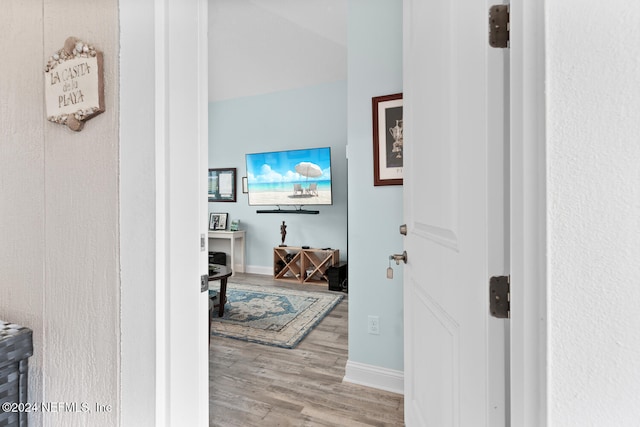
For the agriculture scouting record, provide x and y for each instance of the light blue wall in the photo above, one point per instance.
(313, 116)
(332, 114)
(374, 69)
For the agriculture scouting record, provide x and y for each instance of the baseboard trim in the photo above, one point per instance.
(258, 269)
(374, 376)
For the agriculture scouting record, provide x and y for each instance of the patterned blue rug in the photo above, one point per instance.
(272, 316)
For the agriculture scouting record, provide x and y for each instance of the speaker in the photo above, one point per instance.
(218, 258)
(337, 276)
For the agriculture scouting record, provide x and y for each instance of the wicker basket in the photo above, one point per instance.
(16, 345)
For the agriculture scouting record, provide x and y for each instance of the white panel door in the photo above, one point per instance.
(455, 195)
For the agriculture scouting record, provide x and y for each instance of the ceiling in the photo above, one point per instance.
(263, 46)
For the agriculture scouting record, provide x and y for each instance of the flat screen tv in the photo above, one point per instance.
(290, 178)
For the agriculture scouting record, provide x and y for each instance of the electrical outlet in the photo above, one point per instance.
(373, 325)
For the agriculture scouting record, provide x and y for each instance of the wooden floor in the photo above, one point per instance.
(259, 385)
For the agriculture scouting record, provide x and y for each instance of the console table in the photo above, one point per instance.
(303, 265)
(233, 237)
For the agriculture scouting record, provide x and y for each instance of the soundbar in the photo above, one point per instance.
(288, 211)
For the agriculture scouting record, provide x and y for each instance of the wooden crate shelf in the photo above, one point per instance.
(308, 265)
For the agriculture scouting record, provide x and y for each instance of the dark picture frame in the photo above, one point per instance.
(218, 221)
(221, 185)
(245, 185)
(388, 142)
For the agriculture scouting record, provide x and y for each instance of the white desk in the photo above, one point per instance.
(232, 236)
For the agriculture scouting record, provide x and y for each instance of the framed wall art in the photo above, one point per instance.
(218, 221)
(388, 150)
(222, 185)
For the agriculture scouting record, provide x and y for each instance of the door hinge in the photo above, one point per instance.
(500, 296)
(204, 283)
(499, 26)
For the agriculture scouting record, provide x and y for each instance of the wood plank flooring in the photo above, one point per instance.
(258, 385)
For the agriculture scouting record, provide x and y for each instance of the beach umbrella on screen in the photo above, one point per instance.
(308, 169)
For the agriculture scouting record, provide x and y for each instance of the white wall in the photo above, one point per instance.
(59, 258)
(261, 47)
(22, 221)
(593, 128)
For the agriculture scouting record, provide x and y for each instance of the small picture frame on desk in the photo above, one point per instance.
(218, 221)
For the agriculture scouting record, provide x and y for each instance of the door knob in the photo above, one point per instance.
(399, 257)
(403, 229)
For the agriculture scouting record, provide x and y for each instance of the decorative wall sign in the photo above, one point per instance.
(74, 86)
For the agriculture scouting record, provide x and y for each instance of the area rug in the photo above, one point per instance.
(272, 316)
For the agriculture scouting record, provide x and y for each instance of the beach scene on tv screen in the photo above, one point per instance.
(295, 177)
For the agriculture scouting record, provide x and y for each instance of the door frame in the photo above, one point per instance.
(528, 362)
(163, 206)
